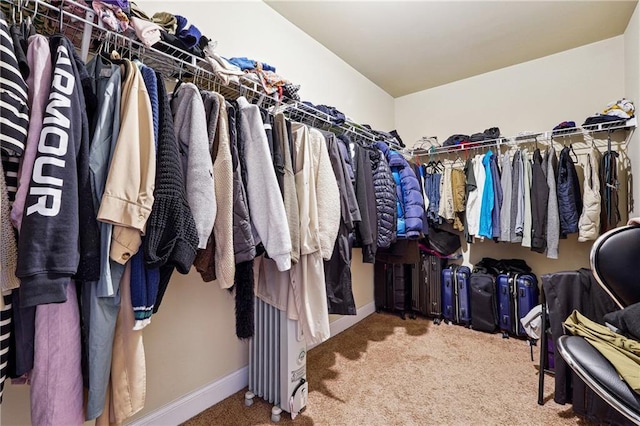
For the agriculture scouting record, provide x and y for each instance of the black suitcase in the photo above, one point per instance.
(484, 308)
(426, 294)
(392, 287)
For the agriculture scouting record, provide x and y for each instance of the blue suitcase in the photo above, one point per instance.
(517, 295)
(456, 301)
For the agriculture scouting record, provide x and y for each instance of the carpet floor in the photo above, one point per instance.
(389, 371)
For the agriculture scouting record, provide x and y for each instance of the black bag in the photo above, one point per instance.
(443, 242)
(488, 265)
(484, 310)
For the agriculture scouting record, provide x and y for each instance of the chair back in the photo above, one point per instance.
(615, 264)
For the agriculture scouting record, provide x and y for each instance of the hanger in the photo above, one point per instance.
(572, 154)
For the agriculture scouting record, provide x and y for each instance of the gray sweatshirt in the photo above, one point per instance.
(190, 125)
(266, 206)
(505, 211)
(553, 217)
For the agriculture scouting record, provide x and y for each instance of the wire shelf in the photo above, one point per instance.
(571, 135)
(79, 24)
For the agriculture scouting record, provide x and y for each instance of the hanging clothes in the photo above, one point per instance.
(101, 299)
(497, 199)
(144, 280)
(470, 190)
(128, 381)
(319, 204)
(39, 84)
(223, 183)
(527, 220)
(505, 210)
(458, 189)
(485, 228)
(553, 215)
(337, 270)
(169, 247)
(56, 380)
(409, 195)
(128, 198)
(432, 189)
(366, 229)
(475, 203)
(14, 110)
(445, 207)
(385, 189)
(263, 191)
(589, 222)
(539, 204)
(190, 126)
(289, 186)
(8, 280)
(517, 197)
(243, 243)
(50, 229)
(569, 198)
(610, 215)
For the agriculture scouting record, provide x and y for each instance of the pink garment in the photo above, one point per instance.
(39, 85)
(147, 32)
(56, 379)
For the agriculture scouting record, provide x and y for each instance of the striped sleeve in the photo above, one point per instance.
(14, 110)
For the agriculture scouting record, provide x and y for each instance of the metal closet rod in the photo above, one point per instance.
(191, 65)
(629, 124)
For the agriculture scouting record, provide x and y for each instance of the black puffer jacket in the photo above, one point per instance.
(385, 188)
(569, 197)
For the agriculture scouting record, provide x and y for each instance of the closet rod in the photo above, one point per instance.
(628, 125)
(88, 34)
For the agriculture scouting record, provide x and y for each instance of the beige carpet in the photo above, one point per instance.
(386, 371)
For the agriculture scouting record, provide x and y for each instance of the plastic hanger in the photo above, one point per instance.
(574, 157)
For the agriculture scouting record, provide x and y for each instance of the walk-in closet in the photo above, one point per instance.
(319, 212)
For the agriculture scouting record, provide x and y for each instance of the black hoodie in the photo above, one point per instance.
(59, 204)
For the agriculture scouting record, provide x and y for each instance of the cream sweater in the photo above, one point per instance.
(223, 226)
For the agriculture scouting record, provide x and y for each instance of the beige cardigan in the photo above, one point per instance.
(223, 182)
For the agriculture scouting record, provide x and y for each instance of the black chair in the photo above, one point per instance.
(615, 263)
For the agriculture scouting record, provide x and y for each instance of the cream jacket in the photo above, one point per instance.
(128, 193)
(589, 222)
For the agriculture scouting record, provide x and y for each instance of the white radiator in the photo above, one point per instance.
(277, 361)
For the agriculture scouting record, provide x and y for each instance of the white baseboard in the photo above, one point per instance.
(346, 321)
(193, 403)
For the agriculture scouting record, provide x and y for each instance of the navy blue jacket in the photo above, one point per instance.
(408, 194)
(569, 197)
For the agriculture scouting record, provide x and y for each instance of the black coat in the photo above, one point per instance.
(539, 203)
(564, 292)
(385, 189)
(569, 197)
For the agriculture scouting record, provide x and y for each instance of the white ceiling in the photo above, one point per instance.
(408, 46)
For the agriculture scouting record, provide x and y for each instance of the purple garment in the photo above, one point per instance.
(56, 381)
(39, 83)
(122, 4)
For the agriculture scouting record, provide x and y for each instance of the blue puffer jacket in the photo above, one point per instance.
(408, 194)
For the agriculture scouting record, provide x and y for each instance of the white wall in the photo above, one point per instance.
(191, 341)
(534, 96)
(632, 90)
